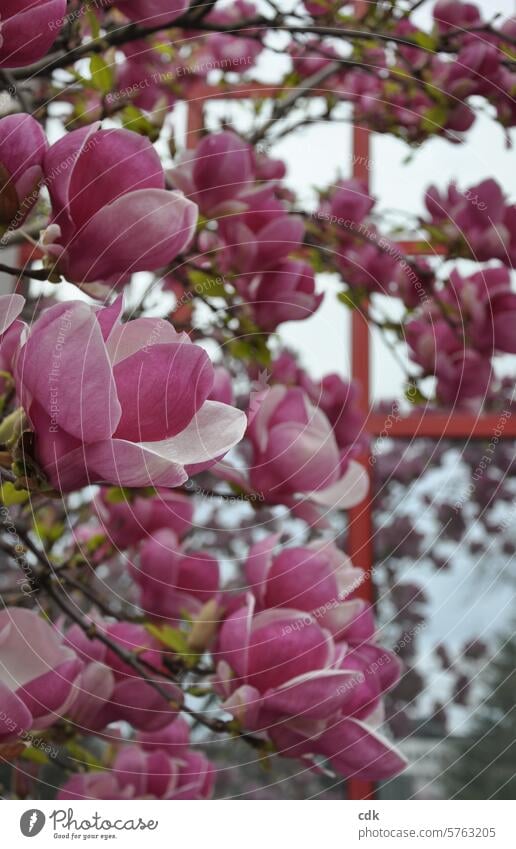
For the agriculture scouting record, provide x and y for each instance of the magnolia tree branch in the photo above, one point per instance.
(191, 22)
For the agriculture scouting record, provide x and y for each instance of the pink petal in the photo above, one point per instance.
(212, 432)
(316, 695)
(356, 750)
(122, 463)
(350, 490)
(160, 389)
(65, 368)
(141, 231)
(114, 163)
(10, 308)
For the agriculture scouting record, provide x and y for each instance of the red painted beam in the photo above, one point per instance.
(360, 529)
(446, 425)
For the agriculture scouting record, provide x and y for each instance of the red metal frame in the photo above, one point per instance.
(422, 423)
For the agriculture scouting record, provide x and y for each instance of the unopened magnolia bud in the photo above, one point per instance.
(204, 627)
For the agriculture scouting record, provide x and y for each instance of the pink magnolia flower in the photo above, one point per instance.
(152, 12)
(349, 203)
(370, 267)
(307, 59)
(283, 675)
(285, 293)
(295, 452)
(144, 82)
(485, 301)
(268, 169)
(121, 404)
(454, 14)
(260, 235)
(127, 520)
(222, 386)
(477, 222)
(339, 401)
(22, 148)
(315, 578)
(174, 582)
(140, 774)
(173, 738)
(109, 690)
(221, 49)
(216, 173)
(111, 213)
(462, 373)
(28, 29)
(37, 673)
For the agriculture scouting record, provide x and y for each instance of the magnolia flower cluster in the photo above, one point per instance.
(298, 661)
(255, 233)
(159, 765)
(454, 336)
(416, 91)
(455, 323)
(367, 261)
(111, 213)
(477, 223)
(297, 658)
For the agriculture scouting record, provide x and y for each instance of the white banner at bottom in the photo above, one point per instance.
(259, 825)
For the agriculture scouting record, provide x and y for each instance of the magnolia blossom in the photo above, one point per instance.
(365, 259)
(174, 582)
(260, 235)
(127, 520)
(317, 578)
(480, 311)
(295, 452)
(151, 13)
(37, 673)
(283, 675)
(285, 293)
(28, 28)
(222, 49)
(111, 213)
(140, 774)
(22, 148)
(109, 690)
(477, 222)
(216, 173)
(144, 80)
(122, 404)
(454, 14)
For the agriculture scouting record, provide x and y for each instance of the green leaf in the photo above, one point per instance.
(80, 753)
(101, 74)
(425, 40)
(35, 755)
(352, 298)
(134, 119)
(117, 495)
(172, 638)
(49, 533)
(207, 284)
(10, 495)
(414, 395)
(435, 118)
(93, 23)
